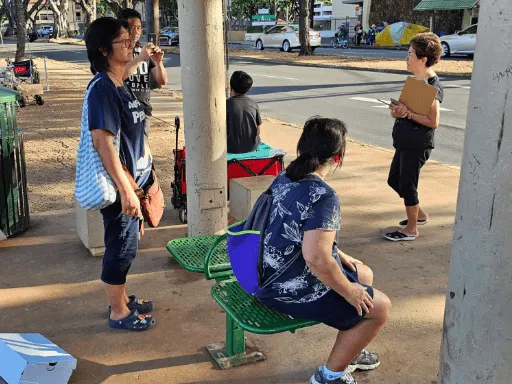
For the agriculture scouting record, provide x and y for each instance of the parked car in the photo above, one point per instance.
(286, 37)
(463, 42)
(170, 36)
(45, 30)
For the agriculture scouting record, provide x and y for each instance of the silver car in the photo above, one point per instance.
(286, 37)
(463, 42)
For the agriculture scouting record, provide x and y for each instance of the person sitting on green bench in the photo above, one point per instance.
(304, 274)
(242, 116)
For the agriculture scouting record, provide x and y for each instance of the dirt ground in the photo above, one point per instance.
(51, 134)
(444, 68)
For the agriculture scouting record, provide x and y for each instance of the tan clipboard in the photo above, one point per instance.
(418, 96)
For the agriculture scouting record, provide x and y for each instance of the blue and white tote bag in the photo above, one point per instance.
(94, 189)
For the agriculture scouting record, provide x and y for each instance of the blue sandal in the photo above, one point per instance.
(142, 306)
(133, 322)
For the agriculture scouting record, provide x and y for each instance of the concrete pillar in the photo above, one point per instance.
(477, 333)
(204, 105)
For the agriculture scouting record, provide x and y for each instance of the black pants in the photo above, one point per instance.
(405, 172)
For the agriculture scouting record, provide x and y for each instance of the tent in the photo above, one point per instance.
(399, 34)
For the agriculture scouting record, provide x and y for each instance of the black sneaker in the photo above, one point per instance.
(318, 378)
(398, 236)
(365, 361)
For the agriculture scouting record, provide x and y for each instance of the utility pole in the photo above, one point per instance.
(204, 103)
(477, 333)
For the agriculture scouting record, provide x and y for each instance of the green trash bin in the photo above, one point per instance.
(14, 212)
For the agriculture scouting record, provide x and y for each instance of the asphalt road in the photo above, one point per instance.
(293, 94)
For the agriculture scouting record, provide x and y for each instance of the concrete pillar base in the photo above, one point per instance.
(89, 226)
(244, 192)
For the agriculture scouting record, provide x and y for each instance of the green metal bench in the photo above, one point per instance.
(191, 252)
(244, 312)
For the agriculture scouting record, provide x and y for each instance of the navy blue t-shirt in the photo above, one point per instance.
(115, 109)
(307, 205)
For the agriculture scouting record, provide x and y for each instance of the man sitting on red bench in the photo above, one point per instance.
(243, 116)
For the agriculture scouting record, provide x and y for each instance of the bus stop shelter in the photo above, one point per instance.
(444, 5)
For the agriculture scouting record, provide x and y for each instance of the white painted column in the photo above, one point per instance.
(204, 104)
(477, 334)
(367, 4)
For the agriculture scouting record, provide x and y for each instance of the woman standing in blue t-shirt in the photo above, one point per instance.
(116, 120)
(304, 273)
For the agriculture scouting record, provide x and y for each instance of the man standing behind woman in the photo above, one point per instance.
(147, 59)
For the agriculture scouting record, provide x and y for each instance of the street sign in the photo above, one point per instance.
(359, 10)
(263, 11)
(264, 18)
(259, 23)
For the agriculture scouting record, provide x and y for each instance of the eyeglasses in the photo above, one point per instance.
(126, 42)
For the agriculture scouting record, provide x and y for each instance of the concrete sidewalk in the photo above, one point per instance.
(49, 283)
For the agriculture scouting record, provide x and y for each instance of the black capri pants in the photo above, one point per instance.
(405, 172)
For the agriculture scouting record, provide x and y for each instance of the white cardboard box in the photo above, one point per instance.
(32, 358)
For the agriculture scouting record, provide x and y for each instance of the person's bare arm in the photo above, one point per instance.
(159, 73)
(103, 142)
(431, 120)
(317, 250)
(144, 55)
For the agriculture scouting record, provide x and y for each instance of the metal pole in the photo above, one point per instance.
(204, 103)
(46, 76)
(477, 333)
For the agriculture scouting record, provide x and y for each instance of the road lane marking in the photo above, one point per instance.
(274, 77)
(369, 100)
(457, 86)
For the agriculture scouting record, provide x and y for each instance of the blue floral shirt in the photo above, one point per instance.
(307, 205)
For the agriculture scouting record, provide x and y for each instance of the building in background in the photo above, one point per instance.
(76, 17)
(329, 17)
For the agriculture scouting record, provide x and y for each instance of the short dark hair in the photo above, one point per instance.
(428, 45)
(99, 36)
(322, 139)
(241, 82)
(129, 13)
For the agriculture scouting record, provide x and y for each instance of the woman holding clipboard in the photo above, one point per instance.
(413, 136)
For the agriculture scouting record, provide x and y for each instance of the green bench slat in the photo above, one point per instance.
(252, 316)
(190, 253)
